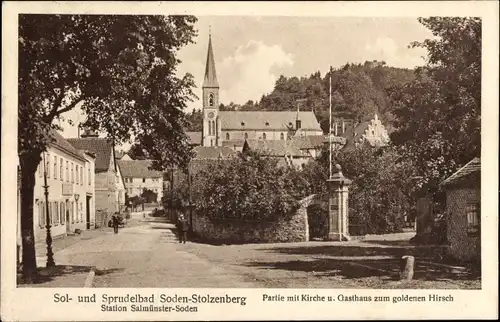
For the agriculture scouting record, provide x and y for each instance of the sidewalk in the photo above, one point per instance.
(64, 274)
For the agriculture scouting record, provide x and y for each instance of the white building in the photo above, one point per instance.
(138, 177)
(70, 180)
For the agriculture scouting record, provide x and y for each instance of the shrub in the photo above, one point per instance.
(249, 187)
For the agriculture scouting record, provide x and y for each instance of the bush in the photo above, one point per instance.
(249, 187)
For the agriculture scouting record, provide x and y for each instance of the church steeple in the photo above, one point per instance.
(210, 74)
(211, 121)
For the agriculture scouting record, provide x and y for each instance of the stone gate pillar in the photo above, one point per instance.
(337, 205)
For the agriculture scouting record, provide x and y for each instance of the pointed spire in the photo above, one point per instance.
(210, 74)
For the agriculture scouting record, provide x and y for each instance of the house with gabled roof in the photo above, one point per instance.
(139, 177)
(463, 211)
(71, 197)
(109, 185)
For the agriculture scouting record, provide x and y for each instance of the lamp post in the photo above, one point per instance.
(50, 254)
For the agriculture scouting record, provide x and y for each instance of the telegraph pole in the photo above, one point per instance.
(48, 239)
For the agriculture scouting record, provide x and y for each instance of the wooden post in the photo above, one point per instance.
(407, 268)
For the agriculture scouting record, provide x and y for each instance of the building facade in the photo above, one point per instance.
(138, 177)
(109, 186)
(463, 212)
(70, 181)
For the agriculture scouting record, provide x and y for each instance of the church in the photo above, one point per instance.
(232, 128)
(295, 137)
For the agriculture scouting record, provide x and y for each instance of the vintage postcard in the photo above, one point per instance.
(249, 161)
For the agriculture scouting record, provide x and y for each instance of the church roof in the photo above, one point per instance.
(267, 120)
(210, 73)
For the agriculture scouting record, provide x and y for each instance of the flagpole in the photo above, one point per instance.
(330, 127)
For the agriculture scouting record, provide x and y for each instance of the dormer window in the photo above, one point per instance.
(267, 123)
(290, 124)
(242, 123)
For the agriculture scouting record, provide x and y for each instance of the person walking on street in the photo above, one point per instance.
(116, 222)
(182, 228)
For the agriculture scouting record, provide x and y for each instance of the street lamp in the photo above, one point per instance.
(50, 254)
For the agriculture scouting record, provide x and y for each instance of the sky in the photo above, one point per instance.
(251, 52)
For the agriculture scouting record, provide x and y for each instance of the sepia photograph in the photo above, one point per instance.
(208, 151)
(183, 151)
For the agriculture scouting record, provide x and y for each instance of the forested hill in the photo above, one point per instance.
(358, 91)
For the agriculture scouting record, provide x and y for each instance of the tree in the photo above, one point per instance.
(250, 187)
(136, 152)
(381, 190)
(195, 120)
(119, 69)
(438, 115)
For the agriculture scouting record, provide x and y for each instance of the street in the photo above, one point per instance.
(149, 255)
(146, 256)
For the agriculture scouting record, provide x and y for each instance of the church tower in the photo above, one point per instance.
(210, 88)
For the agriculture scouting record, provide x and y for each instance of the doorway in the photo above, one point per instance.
(87, 213)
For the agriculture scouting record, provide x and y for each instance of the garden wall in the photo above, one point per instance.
(232, 231)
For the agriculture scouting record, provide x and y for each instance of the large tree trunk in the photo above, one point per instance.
(29, 163)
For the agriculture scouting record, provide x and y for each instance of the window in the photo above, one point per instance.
(76, 172)
(48, 166)
(209, 127)
(40, 169)
(282, 136)
(55, 167)
(246, 136)
(81, 176)
(263, 136)
(62, 217)
(61, 173)
(72, 212)
(211, 142)
(211, 99)
(473, 218)
(267, 123)
(72, 173)
(55, 217)
(41, 214)
(143, 180)
(67, 171)
(81, 211)
(88, 173)
(227, 136)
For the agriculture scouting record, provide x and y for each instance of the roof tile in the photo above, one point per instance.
(101, 147)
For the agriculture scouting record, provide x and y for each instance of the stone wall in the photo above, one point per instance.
(294, 229)
(462, 245)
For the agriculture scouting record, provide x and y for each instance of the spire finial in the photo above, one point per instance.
(209, 30)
